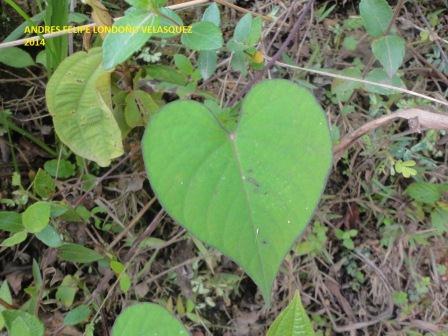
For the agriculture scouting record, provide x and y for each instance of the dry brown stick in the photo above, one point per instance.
(243, 10)
(133, 222)
(293, 33)
(417, 119)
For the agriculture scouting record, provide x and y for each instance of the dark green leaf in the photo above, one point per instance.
(43, 184)
(11, 221)
(78, 253)
(60, 168)
(77, 315)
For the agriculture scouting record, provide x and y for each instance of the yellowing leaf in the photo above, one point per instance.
(79, 100)
(100, 14)
(404, 168)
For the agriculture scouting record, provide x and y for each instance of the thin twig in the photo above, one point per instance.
(243, 10)
(417, 118)
(363, 81)
(291, 36)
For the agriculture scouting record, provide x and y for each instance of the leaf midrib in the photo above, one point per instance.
(246, 196)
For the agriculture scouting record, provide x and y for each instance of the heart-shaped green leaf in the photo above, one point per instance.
(147, 319)
(250, 192)
(389, 50)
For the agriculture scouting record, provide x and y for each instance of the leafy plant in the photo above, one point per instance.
(229, 173)
(293, 321)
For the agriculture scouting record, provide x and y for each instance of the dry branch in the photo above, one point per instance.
(418, 119)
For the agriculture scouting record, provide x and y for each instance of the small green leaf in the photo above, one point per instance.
(147, 319)
(439, 218)
(20, 323)
(118, 47)
(15, 239)
(41, 58)
(380, 76)
(389, 50)
(66, 291)
(36, 217)
(166, 21)
(350, 43)
(222, 181)
(78, 253)
(139, 107)
(242, 29)
(140, 4)
(255, 32)
(50, 237)
(343, 88)
(36, 274)
(11, 221)
(293, 321)
(5, 295)
(239, 62)
(404, 168)
(376, 15)
(77, 315)
(211, 14)
(165, 73)
(60, 168)
(43, 184)
(423, 192)
(204, 36)
(207, 63)
(15, 57)
(183, 64)
(124, 282)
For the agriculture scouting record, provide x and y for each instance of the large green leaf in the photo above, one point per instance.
(389, 50)
(293, 321)
(251, 192)
(79, 99)
(147, 319)
(376, 15)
